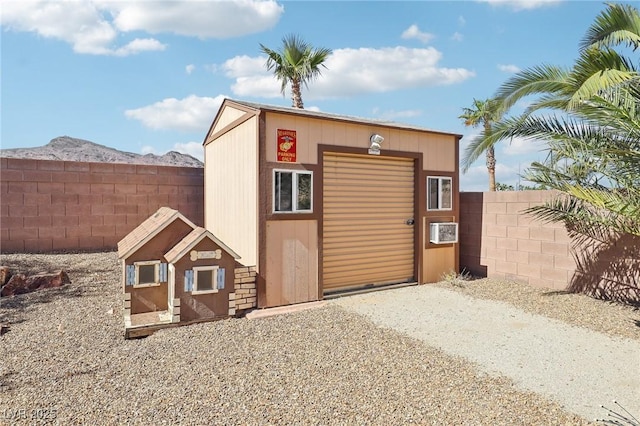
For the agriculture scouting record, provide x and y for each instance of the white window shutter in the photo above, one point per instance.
(163, 273)
(188, 280)
(131, 274)
(220, 279)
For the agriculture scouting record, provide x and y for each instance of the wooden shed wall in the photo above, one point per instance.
(439, 157)
(437, 149)
(231, 188)
(292, 262)
(230, 114)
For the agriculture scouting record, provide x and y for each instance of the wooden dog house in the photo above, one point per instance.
(174, 273)
(321, 204)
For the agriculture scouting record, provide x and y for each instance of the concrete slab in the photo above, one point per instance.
(269, 312)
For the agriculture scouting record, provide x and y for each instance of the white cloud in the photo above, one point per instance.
(351, 72)
(522, 4)
(414, 32)
(189, 68)
(96, 26)
(139, 45)
(457, 36)
(509, 68)
(84, 25)
(461, 21)
(192, 113)
(264, 86)
(204, 19)
(244, 66)
(392, 115)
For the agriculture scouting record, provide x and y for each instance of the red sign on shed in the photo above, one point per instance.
(286, 142)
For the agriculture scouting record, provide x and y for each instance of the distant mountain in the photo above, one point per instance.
(66, 148)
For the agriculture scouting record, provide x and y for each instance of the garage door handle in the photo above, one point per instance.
(410, 222)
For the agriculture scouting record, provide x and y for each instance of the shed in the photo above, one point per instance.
(320, 204)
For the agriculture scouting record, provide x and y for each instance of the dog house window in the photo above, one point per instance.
(292, 191)
(146, 273)
(204, 279)
(439, 193)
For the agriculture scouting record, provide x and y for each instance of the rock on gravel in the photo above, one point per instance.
(65, 362)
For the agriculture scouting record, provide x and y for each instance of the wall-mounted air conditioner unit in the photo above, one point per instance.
(443, 233)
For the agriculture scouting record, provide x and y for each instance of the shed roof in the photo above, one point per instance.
(257, 107)
(148, 229)
(193, 238)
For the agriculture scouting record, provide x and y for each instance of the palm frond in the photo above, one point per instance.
(543, 79)
(618, 24)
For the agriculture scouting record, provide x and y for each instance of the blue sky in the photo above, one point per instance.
(149, 76)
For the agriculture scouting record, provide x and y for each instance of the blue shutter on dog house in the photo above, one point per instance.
(162, 273)
(130, 274)
(220, 279)
(188, 280)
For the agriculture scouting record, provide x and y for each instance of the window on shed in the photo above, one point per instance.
(439, 193)
(292, 191)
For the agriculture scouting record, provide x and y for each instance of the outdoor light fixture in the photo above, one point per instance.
(376, 140)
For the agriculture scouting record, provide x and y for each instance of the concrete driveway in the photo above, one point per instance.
(579, 368)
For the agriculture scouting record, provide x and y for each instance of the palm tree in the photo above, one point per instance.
(296, 63)
(593, 130)
(483, 112)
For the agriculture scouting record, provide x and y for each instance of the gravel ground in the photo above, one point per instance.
(577, 309)
(65, 361)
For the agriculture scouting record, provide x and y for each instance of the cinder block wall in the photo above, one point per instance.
(498, 240)
(62, 205)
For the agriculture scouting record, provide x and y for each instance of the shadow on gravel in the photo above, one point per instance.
(36, 263)
(6, 381)
(14, 308)
(87, 277)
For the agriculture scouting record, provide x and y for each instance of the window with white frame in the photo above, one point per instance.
(292, 191)
(204, 279)
(146, 273)
(439, 193)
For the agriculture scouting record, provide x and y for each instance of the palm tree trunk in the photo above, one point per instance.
(491, 168)
(296, 94)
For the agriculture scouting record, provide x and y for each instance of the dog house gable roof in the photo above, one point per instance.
(252, 109)
(148, 229)
(190, 241)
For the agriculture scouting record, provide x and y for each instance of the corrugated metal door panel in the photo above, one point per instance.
(367, 201)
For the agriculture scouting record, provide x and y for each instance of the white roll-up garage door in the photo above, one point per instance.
(368, 208)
